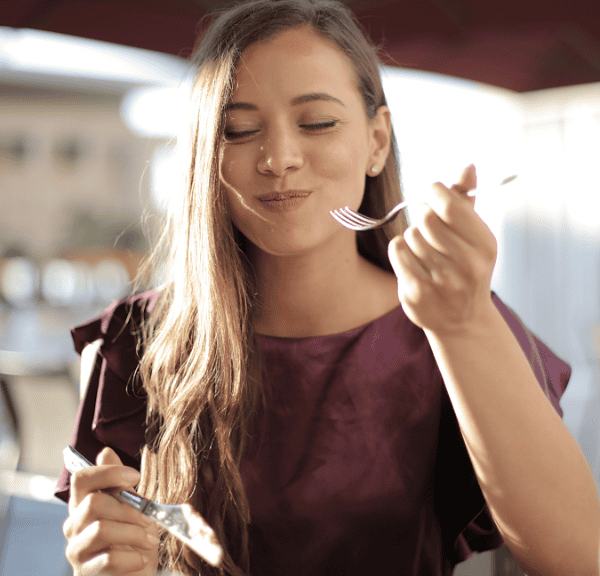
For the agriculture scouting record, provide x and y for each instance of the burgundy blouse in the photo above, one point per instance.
(363, 469)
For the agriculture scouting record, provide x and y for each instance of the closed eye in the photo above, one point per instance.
(232, 135)
(320, 125)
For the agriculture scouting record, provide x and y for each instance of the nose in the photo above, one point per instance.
(280, 153)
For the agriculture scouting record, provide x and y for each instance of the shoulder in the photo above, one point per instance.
(112, 411)
(131, 310)
(136, 306)
(116, 333)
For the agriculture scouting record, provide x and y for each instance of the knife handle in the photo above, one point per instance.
(74, 461)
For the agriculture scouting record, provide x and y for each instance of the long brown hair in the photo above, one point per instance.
(200, 365)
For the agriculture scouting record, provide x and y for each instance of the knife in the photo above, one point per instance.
(181, 520)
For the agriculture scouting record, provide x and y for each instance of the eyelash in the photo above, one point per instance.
(320, 125)
(310, 127)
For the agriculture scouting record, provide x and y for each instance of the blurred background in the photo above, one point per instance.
(91, 94)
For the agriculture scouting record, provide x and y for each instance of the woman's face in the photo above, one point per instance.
(297, 142)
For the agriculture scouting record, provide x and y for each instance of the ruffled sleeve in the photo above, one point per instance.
(464, 516)
(113, 409)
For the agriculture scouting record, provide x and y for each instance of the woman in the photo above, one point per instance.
(302, 396)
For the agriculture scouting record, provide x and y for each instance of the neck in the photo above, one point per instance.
(323, 292)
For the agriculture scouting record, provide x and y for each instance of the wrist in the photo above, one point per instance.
(483, 321)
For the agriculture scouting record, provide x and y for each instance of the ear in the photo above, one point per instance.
(380, 134)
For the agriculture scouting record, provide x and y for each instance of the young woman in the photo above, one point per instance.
(326, 411)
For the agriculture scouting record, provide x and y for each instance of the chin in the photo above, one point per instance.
(294, 240)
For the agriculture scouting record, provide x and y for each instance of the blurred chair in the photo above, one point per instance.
(9, 447)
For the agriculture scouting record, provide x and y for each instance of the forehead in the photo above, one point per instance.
(293, 62)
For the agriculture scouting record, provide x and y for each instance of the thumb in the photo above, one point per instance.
(108, 457)
(467, 181)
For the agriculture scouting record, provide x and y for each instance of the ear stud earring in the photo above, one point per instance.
(374, 169)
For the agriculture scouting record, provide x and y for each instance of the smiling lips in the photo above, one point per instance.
(284, 201)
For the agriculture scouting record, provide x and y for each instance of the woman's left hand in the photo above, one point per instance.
(445, 262)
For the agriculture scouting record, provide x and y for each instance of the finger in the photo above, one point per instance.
(68, 528)
(432, 232)
(408, 269)
(457, 213)
(466, 183)
(104, 535)
(108, 456)
(97, 506)
(450, 204)
(427, 255)
(442, 270)
(128, 562)
(467, 180)
(106, 477)
(107, 533)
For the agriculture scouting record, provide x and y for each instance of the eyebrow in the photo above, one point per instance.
(297, 101)
(304, 98)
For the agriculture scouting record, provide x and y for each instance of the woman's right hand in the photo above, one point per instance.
(106, 536)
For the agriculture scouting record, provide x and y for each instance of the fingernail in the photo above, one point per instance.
(131, 475)
(152, 538)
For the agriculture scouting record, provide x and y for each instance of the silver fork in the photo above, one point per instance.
(356, 221)
(181, 520)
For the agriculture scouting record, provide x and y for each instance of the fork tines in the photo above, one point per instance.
(351, 219)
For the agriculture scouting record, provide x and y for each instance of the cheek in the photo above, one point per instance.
(234, 168)
(232, 183)
(343, 164)
(238, 178)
